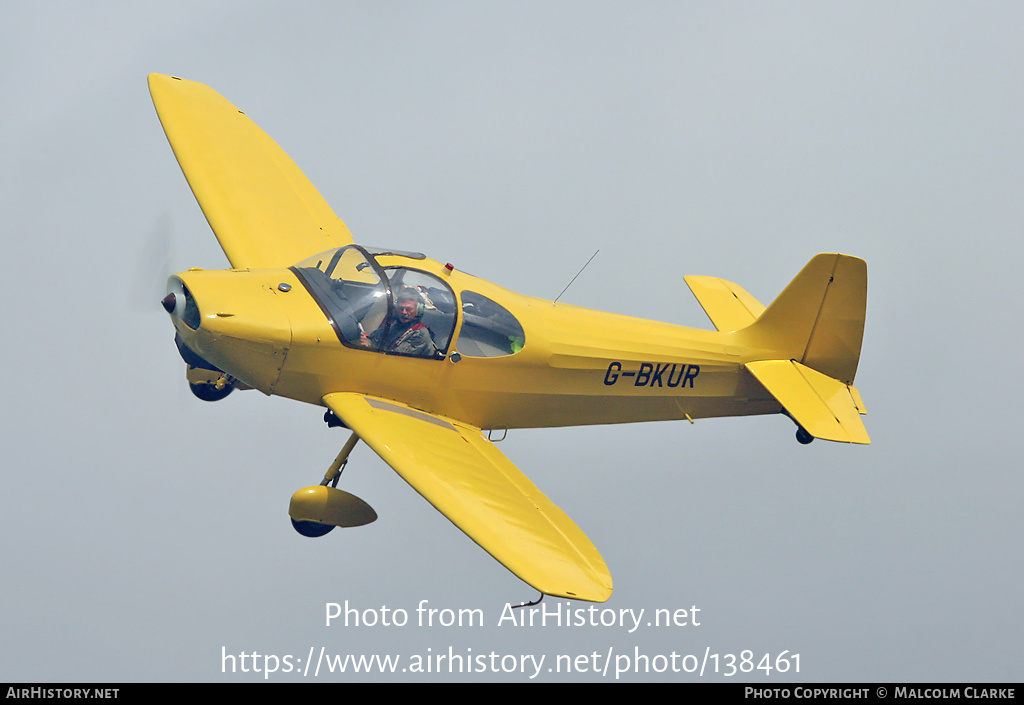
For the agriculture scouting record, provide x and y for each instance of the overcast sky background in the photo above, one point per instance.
(145, 530)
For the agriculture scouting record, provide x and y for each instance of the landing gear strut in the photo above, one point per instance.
(315, 511)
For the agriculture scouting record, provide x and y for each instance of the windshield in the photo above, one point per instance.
(348, 288)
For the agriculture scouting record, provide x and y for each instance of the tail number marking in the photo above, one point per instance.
(654, 375)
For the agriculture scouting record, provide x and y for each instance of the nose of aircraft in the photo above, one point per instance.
(234, 320)
(180, 303)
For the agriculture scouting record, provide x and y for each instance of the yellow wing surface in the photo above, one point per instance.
(479, 490)
(262, 208)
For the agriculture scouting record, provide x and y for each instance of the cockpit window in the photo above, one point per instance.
(488, 329)
(397, 311)
(437, 310)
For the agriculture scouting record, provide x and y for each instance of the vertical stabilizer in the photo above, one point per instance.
(818, 320)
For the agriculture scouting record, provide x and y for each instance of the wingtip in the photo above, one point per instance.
(154, 80)
(599, 587)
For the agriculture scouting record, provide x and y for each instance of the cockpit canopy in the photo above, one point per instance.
(368, 306)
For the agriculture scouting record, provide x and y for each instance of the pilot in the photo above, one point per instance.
(405, 333)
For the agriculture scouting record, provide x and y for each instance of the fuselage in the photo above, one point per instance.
(565, 365)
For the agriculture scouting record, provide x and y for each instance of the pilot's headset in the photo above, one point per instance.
(416, 295)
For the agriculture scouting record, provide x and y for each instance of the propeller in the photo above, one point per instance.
(154, 266)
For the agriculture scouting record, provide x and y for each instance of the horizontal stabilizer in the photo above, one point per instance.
(728, 305)
(478, 489)
(825, 407)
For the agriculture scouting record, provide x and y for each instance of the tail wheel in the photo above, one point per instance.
(802, 436)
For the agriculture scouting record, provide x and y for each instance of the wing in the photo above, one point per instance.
(262, 208)
(468, 480)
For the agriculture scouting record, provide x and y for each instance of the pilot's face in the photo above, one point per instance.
(406, 310)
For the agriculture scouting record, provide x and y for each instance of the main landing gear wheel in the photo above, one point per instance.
(312, 529)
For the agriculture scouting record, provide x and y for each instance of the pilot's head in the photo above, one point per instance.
(408, 305)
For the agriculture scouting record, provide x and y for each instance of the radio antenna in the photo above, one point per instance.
(574, 278)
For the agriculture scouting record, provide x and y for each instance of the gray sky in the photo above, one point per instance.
(145, 531)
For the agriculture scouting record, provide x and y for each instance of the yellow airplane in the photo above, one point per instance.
(417, 357)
